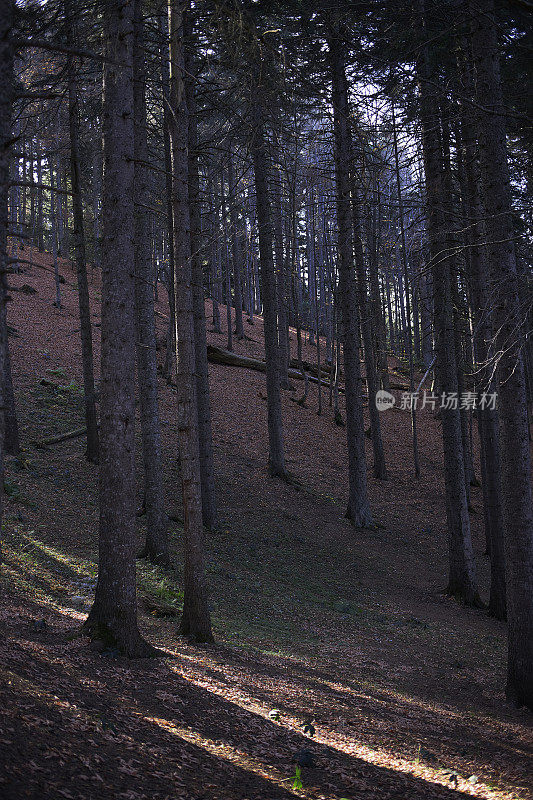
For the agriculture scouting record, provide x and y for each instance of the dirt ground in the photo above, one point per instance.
(315, 621)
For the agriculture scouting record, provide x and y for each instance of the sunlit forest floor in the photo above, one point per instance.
(314, 620)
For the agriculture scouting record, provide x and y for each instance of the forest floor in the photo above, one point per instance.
(348, 628)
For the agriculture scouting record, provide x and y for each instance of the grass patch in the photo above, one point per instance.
(158, 592)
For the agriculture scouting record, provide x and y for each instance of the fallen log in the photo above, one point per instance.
(63, 437)
(308, 366)
(218, 355)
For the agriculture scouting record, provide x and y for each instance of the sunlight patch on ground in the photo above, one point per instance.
(229, 753)
(342, 742)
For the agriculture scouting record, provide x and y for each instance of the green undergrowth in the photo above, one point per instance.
(52, 575)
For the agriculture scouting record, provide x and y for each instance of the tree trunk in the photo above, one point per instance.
(165, 88)
(358, 504)
(195, 622)
(236, 247)
(281, 301)
(508, 325)
(416, 462)
(462, 577)
(276, 458)
(380, 469)
(113, 615)
(207, 469)
(7, 10)
(156, 547)
(79, 248)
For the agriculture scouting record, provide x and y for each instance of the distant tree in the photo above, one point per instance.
(358, 511)
(276, 457)
(79, 242)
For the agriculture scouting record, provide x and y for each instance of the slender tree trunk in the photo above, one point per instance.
(207, 469)
(236, 247)
(195, 622)
(358, 504)
(425, 320)
(380, 469)
(375, 299)
(416, 462)
(113, 615)
(281, 302)
(7, 10)
(57, 302)
(79, 249)
(40, 219)
(462, 577)
(514, 441)
(9, 433)
(227, 266)
(276, 458)
(156, 547)
(96, 190)
(165, 87)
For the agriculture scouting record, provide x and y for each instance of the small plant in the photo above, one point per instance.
(12, 489)
(161, 596)
(297, 780)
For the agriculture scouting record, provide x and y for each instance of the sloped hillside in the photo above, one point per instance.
(314, 620)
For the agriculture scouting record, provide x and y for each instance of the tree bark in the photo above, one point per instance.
(414, 433)
(165, 88)
(276, 457)
(205, 436)
(508, 325)
(7, 10)
(236, 247)
(79, 248)
(380, 469)
(462, 571)
(358, 510)
(113, 615)
(195, 622)
(156, 547)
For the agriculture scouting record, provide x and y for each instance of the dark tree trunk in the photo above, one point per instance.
(195, 622)
(207, 469)
(156, 547)
(281, 300)
(79, 247)
(380, 469)
(414, 433)
(378, 318)
(358, 504)
(227, 265)
(113, 615)
(236, 247)
(165, 87)
(276, 458)
(508, 325)
(462, 577)
(7, 10)
(11, 428)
